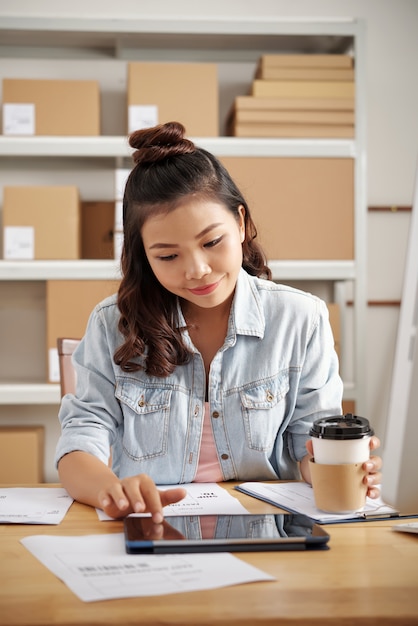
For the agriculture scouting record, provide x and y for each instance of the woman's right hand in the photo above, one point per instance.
(138, 494)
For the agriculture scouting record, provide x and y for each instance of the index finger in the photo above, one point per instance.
(152, 499)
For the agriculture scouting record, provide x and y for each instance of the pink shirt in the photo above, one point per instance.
(208, 469)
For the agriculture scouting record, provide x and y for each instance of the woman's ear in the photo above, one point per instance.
(241, 222)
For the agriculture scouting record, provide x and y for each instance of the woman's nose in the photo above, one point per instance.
(197, 267)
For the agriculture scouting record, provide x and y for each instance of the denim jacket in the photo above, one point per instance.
(276, 372)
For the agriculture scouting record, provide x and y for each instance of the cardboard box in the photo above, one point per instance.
(306, 60)
(288, 116)
(313, 131)
(69, 304)
(303, 89)
(97, 230)
(41, 223)
(51, 107)
(251, 103)
(303, 207)
(168, 92)
(21, 454)
(305, 73)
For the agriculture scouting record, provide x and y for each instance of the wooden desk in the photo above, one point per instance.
(369, 576)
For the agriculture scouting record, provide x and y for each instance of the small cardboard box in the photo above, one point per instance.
(51, 107)
(41, 223)
(21, 454)
(303, 208)
(174, 92)
(97, 230)
(69, 304)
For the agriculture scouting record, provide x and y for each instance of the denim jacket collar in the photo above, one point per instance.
(247, 316)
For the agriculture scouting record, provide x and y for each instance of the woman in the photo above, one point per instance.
(201, 368)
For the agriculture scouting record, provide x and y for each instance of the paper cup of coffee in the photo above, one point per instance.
(341, 444)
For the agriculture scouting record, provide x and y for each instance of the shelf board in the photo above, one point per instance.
(87, 147)
(59, 270)
(113, 36)
(312, 270)
(54, 146)
(173, 24)
(110, 270)
(29, 393)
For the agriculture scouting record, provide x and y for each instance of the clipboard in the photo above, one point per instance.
(297, 497)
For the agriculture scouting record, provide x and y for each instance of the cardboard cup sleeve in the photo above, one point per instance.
(338, 488)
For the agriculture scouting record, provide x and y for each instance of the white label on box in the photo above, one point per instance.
(121, 176)
(19, 242)
(53, 365)
(18, 119)
(118, 215)
(142, 116)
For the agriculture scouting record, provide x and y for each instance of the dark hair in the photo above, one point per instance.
(168, 167)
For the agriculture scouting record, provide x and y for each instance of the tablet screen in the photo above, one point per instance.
(208, 533)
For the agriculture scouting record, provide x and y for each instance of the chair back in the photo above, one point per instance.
(66, 347)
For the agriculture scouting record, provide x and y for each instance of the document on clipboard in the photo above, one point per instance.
(298, 497)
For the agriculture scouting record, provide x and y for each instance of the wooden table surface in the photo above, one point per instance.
(369, 576)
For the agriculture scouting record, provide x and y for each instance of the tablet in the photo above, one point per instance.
(223, 533)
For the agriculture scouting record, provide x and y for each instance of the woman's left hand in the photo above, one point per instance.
(372, 468)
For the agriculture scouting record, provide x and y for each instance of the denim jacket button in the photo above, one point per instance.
(215, 414)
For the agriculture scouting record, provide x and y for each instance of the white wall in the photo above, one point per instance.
(392, 133)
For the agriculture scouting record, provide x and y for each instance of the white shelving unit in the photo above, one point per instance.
(224, 41)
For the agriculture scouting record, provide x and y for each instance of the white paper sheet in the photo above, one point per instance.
(33, 505)
(96, 567)
(201, 499)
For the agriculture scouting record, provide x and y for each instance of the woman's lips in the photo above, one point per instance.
(204, 290)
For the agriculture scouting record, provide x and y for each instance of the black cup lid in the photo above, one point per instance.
(341, 427)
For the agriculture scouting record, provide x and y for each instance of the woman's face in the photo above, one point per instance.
(195, 251)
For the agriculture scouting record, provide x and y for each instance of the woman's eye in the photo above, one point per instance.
(169, 257)
(213, 243)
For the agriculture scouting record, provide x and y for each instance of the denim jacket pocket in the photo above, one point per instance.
(263, 408)
(146, 412)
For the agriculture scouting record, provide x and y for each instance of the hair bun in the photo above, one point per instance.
(160, 142)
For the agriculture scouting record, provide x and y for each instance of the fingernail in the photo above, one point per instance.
(157, 518)
(139, 507)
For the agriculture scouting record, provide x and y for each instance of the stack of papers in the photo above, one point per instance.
(298, 497)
